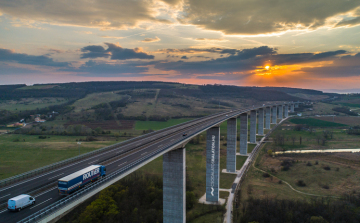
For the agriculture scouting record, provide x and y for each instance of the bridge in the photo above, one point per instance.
(123, 158)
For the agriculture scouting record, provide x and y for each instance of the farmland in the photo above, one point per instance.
(30, 103)
(346, 120)
(315, 122)
(95, 99)
(106, 125)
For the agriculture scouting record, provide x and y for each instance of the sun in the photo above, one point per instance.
(267, 67)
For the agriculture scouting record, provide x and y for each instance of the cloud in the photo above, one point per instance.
(245, 60)
(184, 57)
(103, 69)
(198, 50)
(6, 69)
(115, 52)
(110, 14)
(113, 37)
(22, 58)
(211, 39)
(253, 17)
(148, 40)
(351, 22)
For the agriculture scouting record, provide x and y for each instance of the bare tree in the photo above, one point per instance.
(293, 138)
(300, 140)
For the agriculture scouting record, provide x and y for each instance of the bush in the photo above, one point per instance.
(308, 164)
(280, 182)
(327, 168)
(316, 162)
(266, 175)
(300, 183)
(42, 137)
(325, 187)
(16, 140)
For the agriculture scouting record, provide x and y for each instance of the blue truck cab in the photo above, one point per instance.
(75, 181)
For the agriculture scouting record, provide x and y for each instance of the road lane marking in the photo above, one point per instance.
(119, 151)
(161, 145)
(122, 163)
(5, 195)
(3, 210)
(144, 153)
(41, 203)
(38, 195)
(56, 176)
(93, 161)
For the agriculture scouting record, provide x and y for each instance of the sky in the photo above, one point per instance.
(304, 44)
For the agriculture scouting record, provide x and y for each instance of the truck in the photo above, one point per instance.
(79, 179)
(20, 202)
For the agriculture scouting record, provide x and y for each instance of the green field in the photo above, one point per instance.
(350, 105)
(315, 122)
(30, 103)
(30, 152)
(154, 125)
(94, 99)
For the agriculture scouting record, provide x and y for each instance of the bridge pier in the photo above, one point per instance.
(268, 118)
(292, 108)
(174, 186)
(253, 126)
(243, 133)
(286, 111)
(274, 115)
(296, 105)
(281, 112)
(212, 164)
(231, 145)
(261, 122)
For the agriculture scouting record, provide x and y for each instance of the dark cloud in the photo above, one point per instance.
(114, 52)
(149, 40)
(6, 69)
(245, 60)
(22, 58)
(184, 57)
(199, 50)
(252, 17)
(351, 22)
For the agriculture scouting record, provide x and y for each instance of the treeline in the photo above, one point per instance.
(158, 118)
(354, 130)
(272, 210)
(345, 110)
(72, 130)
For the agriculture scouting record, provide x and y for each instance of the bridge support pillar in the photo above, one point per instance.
(231, 145)
(174, 186)
(274, 115)
(292, 108)
(261, 122)
(286, 111)
(212, 164)
(296, 105)
(268, 118)
(243, 134)
(253, 115)
(281, 112)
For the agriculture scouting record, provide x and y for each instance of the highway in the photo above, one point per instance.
(113, 159)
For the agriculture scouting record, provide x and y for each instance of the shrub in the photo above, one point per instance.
(16, 140)
(42, 137)
(337, 168)
(280, 182)
(308, 164)
(325, 187)
(300, 183)
(327, 168)
(285, 168)
(266, 175)
(269, 152)
(316, 162)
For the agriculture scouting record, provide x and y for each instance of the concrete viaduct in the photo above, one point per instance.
(174, 162)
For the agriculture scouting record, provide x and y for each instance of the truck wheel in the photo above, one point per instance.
(33, 202)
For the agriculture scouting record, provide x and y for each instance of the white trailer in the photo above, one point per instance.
(19, 202)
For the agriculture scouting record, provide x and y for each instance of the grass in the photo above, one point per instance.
(22, 156)
(95, 99)
(350, 105)
(30, 103)
(315, 122)
(155, 125)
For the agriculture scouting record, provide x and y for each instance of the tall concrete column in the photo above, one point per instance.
(286, 111)
(296, 105)
(212, 164)
(231, 145)
(292, 108)
(274, 115)
(261, 122)
(174, 186)
(268, 118)
(280, 111)
(253, 126)
(243, 134)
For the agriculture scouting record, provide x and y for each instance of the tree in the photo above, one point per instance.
(300, 140)
(317, 219)
(270, 152)
(293, 138)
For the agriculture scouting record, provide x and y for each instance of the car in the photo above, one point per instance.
(184, 134)
(226, 115)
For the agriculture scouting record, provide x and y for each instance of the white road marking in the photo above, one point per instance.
(3, 210)
(5, 195)
(38, 195)
(122, 163)
(161, 145)
(93, 161)
(41, 203)
(144, 153)
(56, 176)
(119, 151)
